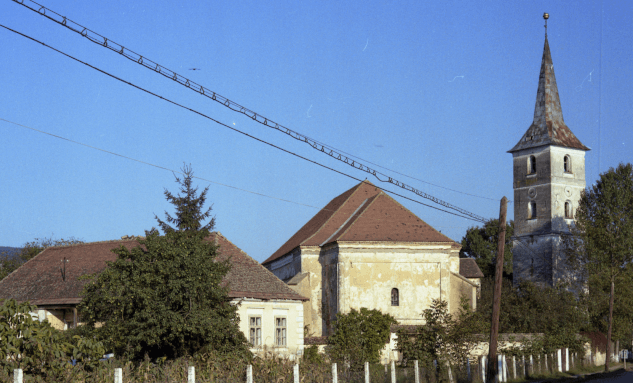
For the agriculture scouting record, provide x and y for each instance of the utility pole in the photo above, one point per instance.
(492, 369)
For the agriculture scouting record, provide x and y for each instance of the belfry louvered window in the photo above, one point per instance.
(531, 165)
(395, 297)
(568, 212)
(567, 164)
(531, 213)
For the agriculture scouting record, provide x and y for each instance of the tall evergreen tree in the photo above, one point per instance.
(601, 243)
(165, 297)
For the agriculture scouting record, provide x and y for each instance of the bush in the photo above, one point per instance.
(359, 336)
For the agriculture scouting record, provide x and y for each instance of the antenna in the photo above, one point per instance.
(63, 270)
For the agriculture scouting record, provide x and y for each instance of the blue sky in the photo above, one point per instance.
(438, 91)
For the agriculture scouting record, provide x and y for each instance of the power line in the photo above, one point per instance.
(147, 63)
(154, 165)
(230, 127)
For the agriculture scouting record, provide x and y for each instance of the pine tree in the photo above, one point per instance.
(164, 298)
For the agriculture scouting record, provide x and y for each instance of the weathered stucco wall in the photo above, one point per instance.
(268, 311)
(58, 318)
(462, 287)
(369, 271)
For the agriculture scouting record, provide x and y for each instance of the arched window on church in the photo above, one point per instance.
(567, 164)
(531, 165)
(531, 213)
(568, 212)
(395, 297)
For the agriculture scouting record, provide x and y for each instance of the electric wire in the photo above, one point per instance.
(482, 220)
(151, 164)
(147, 63)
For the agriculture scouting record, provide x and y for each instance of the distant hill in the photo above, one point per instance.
(10, 251)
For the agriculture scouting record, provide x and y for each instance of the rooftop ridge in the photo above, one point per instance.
(356, 188)
(353, 218)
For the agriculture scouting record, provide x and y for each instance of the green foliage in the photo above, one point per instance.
(311, 354)
(359, 336)
(445, 338)
(164, 297)
(10, 262)
(598, 304)
(528, 308)
(481, 243)
(600, 247)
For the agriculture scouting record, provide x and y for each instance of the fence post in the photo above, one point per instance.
(468, 368)
(393, 372)
(416, 368)
(566, 359)
(191, 374)
(482, 367)
(249, 373)
(334, 373)
(366, 372)
(559, 353)
(295, 372)
(118, 375)
(514, 367)
(17, 375)
(505, 368)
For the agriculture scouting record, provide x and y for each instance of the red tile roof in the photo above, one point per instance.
(468, 268)
(40, 280)
(362, 213)
(548, 127)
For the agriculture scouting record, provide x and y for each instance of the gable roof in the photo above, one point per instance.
(248, 278)
(40, 279)
(548, 127)
(362, 213)
(468, 268)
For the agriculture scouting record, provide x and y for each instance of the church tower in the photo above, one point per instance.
(548, 177)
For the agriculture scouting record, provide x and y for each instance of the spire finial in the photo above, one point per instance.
(545, 16)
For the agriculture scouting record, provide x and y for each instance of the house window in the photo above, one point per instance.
(567, 164)
(395, 297)
(531, 165)
(531, 213)
(568, 212)
(280, 332)
(255, 324)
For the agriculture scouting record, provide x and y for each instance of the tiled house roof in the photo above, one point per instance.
(248, 278)
(40, 279)
(548, 127)
(362, 213)
(468, 268)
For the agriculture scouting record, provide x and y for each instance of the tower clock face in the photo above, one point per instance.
(568, 191)
(532, 193)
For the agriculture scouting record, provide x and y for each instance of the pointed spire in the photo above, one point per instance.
(548, 127)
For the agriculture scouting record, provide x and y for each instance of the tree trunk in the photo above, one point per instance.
(606, 363)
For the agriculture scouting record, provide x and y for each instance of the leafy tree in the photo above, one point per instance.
(529, 308)
(602, 237)
(10, 262)
(38, 348)
(359, 336)
(481, 243)
(444, 338)
(164, 298)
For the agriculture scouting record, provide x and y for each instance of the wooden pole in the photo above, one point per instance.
(496, 300)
